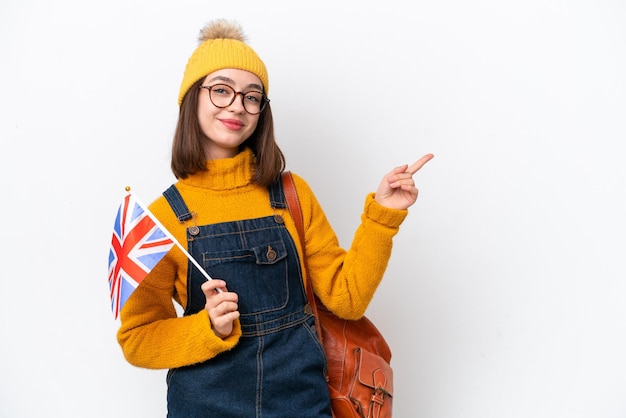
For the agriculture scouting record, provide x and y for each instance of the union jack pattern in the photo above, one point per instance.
(137, 245)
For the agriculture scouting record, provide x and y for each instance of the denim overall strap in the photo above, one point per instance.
(177, 203)
(277, 195)
(182, 212)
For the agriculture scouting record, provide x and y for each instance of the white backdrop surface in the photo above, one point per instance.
(505, 293)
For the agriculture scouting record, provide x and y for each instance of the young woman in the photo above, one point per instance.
(246, 345)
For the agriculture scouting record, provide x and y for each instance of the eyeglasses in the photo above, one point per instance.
(223, 96)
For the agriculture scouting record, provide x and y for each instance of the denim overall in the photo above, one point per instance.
(277, 367)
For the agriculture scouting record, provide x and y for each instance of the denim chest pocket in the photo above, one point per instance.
(270, 253)
(258, 274)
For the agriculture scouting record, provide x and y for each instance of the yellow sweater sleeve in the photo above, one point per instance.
(345, 281)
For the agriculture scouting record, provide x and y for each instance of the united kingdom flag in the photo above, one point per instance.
(139, 242)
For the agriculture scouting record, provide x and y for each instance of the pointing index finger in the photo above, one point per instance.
(414, 168)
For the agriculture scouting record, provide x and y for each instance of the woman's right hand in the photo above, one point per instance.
(221, 306)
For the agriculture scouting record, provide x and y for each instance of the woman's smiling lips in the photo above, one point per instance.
(233, 124)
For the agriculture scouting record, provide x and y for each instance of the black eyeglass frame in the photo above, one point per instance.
(265, 99)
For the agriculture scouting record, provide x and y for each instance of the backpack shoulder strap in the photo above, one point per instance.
(293, 204)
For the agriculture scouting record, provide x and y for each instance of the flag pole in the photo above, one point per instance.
(170, 236)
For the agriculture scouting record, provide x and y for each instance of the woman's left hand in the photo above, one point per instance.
(397, 189)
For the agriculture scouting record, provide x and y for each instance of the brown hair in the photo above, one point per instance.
(188, 155)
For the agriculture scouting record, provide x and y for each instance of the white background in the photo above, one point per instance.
(505, 293)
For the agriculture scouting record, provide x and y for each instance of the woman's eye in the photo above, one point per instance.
(256, 98)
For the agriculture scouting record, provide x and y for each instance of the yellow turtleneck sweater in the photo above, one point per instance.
(151, 333)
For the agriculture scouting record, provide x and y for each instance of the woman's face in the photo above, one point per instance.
(228, 127)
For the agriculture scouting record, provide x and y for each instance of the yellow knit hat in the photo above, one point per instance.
(222, 45)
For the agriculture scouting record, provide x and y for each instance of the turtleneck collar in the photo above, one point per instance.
(225, 174)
